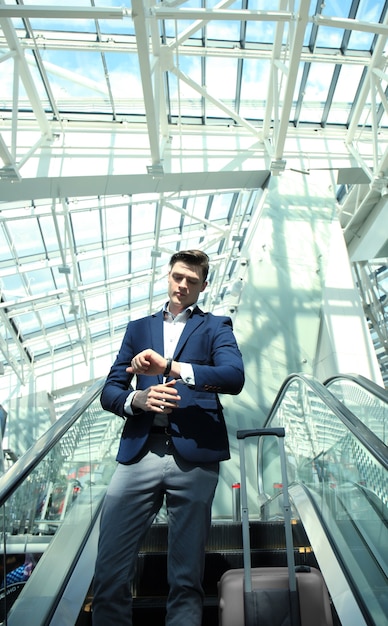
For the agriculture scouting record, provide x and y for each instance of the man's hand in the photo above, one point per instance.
(157, 398)
(147, 362)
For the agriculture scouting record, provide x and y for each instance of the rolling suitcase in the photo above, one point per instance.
(271, 596)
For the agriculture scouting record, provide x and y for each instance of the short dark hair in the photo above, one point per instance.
(192, 257)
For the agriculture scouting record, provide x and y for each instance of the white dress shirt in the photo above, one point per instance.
(173, 326)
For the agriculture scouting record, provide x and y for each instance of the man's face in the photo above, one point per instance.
(185, 283)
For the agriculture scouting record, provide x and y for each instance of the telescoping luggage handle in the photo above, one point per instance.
(279, 433)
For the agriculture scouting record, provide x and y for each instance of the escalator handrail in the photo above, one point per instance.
(44, 611)
(361, 381)
(17, 473)
(369, 440)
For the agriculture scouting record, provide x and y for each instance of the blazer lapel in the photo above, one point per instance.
(156, 324)
(191, 325)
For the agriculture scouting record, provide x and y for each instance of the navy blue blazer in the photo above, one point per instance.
(198, 428)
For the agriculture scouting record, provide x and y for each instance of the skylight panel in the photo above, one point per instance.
(77, 80)
(117, 264)
(49, 234)
(263, 5)
(13, 287)
(227, 30)
(316, 92)
(83, 25)
(344, 94)
(86, 227)
(143, 219)
(114, 26)
(172, 28)
(91, 270)
(254, 88)
(328, 37)
(184, 100)
(7, 84)
(25, 237)
(39, 281)
(160, 285)
(28, 322)
(197, 204)
(368, 11)
(260, 31)
(170, 218)
(339, 8)
(125, 83)
(218, 87)
(95, 304)
(116, 223)
(51, 317)
(141, 259)
(384, 117)
(140, 292)
(5, 253)
(118, 297)
(220, 207)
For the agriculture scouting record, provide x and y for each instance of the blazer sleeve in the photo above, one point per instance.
(223, 372)
(118, 383)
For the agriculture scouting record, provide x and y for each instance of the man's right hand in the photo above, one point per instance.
(161, 398)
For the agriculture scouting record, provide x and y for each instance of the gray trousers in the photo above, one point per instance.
(133, 499)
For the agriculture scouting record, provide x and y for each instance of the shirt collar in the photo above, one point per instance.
(182, 316)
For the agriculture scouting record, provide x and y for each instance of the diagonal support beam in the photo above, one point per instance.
(9, 170)
(26, 77)
(201, 90)
(377, 60)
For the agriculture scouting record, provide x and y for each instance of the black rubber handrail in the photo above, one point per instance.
(361, 381)
(369, 440)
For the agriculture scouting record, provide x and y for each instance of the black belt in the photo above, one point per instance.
(160, 430)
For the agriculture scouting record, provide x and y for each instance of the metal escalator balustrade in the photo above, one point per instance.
(70, 467)
(343, 469)
(59, 480)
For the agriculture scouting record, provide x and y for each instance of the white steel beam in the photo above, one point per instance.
(61, 12)
(272, 92)
(207, 15)
(293, 66)
(146, 72)
(351, 24)
(78, 186)
(127, 44)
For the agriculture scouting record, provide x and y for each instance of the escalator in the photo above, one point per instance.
(338, 484)
(50, 502)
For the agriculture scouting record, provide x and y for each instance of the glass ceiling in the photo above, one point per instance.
(77, 256)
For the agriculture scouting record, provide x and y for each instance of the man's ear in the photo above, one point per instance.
(205, 284)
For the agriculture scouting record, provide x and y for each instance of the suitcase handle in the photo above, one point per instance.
(279, 433)
(260, 432)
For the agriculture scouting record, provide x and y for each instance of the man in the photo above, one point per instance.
(173, 440)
